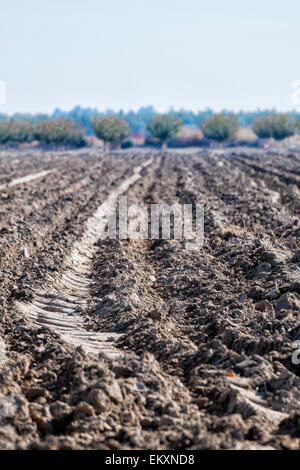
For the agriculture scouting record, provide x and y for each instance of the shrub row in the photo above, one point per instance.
(59, 131)
(163, 128)
(221, 127)
(12, 131)
(50, 132)
(277, 126)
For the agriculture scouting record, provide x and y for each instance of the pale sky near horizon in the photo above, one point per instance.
(115, 54)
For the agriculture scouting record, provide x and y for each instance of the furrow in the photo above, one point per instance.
(74, 284)
(26, 179)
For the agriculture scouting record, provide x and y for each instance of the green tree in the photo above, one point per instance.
(262, 127)
(4, 131)
(279, 126)
(13, 131)
(220, 127)
(164, 128)
(111, 130)
(59, 131)
(20, 131)
(283, 126)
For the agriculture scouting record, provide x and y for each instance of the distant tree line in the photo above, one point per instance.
(140, 120)
(70, 129)
(48, 132)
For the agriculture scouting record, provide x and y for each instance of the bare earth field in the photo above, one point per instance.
(123, 344)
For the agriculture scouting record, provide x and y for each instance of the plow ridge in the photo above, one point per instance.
(142, 344)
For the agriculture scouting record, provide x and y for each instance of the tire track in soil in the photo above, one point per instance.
(26, 179)
(22, 270)
(23, 164)
(3, 357)
(58, 307)
(54, 196)
(141, 258)
(33, 218)
(59, 206)
(151, 275)
(239, 395)
(13, 167)
(48, 218)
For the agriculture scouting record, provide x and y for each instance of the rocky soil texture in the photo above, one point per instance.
(141, 344)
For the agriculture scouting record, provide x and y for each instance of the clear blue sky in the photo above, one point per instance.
(130, 53)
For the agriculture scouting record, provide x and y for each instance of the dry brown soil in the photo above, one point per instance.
(141, 344)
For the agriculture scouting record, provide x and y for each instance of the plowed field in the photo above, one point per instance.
(142, 344)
